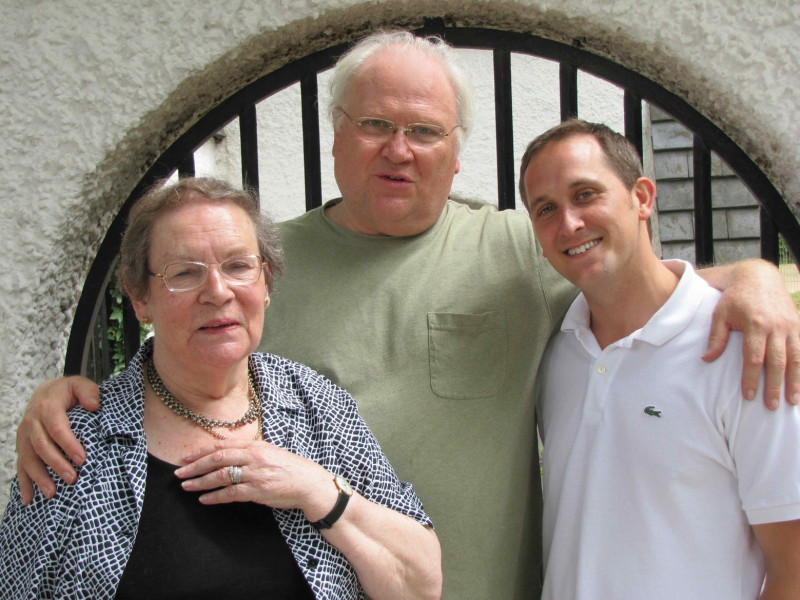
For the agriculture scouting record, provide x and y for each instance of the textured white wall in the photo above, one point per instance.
(91, 91)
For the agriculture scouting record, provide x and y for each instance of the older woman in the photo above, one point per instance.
(296, 500)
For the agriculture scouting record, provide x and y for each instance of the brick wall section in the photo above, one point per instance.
(735, 210)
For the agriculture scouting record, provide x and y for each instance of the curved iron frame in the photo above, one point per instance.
(179, 156)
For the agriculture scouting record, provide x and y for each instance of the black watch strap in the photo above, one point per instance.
(328, 520)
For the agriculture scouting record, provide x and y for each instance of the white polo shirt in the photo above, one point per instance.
(654, 465)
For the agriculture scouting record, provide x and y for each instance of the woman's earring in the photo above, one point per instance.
(146, 321)
(266, 302)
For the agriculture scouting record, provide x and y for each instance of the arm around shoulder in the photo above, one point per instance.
(44, 436)
(755, 301)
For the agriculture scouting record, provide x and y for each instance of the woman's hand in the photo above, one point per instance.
(394, 556)
(269, 475)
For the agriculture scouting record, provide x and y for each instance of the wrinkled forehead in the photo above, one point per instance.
(402, 76)
(220, 222)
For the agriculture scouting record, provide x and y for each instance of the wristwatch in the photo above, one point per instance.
(345, 491)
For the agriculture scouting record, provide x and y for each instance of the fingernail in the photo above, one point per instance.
(795, 399)
(94, 401)
(47, 494)
(76, 459)
(773, 404)
(750, 394)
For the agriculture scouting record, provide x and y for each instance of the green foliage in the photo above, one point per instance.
(784, 256)
(115, 336)
(796, 298)
(116, 343)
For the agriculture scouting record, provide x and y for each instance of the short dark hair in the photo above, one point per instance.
(164, 196)
(621, 155)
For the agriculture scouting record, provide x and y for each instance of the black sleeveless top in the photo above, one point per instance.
(185, 549)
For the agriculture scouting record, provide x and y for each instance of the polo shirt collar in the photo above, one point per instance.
(672, 318)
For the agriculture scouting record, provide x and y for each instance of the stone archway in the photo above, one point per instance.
(101, 90)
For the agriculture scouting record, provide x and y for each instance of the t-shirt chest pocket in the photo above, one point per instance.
(467, 354)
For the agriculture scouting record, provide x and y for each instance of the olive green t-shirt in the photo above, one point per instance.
(438, 337)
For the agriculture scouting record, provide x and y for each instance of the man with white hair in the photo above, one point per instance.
(432, 314)
(417, 305)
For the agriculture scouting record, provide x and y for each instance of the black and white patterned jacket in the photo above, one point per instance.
(76, 545)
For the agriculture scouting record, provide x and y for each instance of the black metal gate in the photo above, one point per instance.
(87, 350)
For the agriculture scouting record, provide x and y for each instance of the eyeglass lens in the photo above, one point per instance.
(237, 270)
(420, 133)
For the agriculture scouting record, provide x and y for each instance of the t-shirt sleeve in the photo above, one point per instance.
(558, 292)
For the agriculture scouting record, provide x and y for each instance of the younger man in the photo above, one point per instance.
(659, 481)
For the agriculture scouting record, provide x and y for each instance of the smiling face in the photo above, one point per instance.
(216, 325)
(392, 188)
(591, 227)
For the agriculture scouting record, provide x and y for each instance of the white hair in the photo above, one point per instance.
(349, 63)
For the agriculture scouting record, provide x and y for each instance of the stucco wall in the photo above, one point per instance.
(91, 91)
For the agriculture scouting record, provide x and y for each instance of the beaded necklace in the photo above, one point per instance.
(253, 410)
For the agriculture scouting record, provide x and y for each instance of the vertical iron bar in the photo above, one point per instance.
(568, 86)
(703, 227)
(186, 167)
(504, 129)
(769, 237)
(248, 134)
(130, 330)
(632, 107)
(633, 120)
(85, 343)
(103, 370)
(90, 364)
(313, 178)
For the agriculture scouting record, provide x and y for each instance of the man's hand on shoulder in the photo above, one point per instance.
(755, 301)
(44, 435)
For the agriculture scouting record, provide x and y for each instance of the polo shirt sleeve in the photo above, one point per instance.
(766, 451)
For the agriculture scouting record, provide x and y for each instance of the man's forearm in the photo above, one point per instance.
(722, 277)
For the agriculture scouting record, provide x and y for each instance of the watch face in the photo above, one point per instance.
(343, 485)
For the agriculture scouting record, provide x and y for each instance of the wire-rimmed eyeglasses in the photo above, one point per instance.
(380, 130)
(190, 275)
